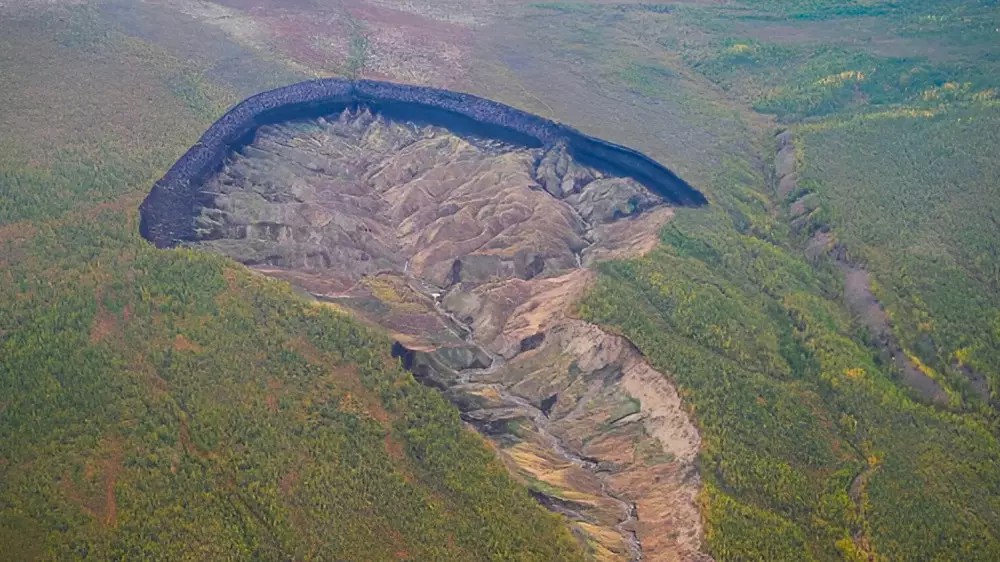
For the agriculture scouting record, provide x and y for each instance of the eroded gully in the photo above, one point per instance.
(468, 379)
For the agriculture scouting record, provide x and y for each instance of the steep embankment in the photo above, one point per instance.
(166, 213)
(472, 251)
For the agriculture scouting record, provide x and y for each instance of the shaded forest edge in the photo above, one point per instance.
(167, 213)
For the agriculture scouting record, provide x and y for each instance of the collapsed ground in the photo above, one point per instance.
(472, 253)
(812, 447)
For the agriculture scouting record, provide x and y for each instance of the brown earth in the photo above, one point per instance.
(103, 324)
(473, 253)
(96, 493)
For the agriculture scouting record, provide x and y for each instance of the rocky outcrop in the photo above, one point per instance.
(167, 214)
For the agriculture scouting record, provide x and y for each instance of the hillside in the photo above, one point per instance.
(827, 326)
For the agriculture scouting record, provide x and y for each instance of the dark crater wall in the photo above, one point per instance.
(168, 213)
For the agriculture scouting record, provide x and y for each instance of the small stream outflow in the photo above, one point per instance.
(475, 380)
(540, 421)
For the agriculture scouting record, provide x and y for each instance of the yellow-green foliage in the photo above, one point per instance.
(223, 417)
(795, 410)
(902, 167)
(898, 155)
(921, 213)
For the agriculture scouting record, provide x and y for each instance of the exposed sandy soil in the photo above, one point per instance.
(643, 452)
(596, 430)
(474, 253)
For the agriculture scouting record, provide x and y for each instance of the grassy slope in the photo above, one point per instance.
(170, 405)
(812, 450)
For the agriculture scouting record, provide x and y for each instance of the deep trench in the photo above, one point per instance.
(538, 416)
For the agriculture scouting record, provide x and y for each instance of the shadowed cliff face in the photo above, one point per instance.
(472, 252)
(359, 194)
(166, 214)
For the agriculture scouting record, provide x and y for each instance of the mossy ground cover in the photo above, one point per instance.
(172, 405)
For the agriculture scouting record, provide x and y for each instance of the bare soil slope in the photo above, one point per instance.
(473, 253)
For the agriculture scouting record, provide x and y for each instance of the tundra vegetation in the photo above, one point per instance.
(167, 404)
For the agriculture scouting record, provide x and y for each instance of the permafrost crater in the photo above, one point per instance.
(467, 229)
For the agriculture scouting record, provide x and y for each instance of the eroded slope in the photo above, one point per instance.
(473, 253)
